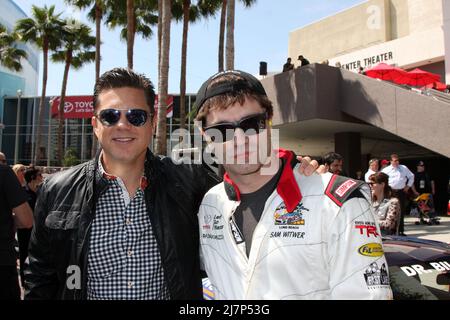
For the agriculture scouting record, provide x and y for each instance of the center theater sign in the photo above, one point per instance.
(386, 57)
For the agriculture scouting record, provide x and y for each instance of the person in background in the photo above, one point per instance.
(401, 179)
(15, 212)
(373, 168)
(19, 170)
(33, 179)
(333, 162)
(303, 61)
(386, 207)
(359, 175)
(423, 183)
(288, 65)
(2, 158)
(384, 163)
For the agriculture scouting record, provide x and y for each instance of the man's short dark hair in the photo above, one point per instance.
(31, 174)
(123, 77)
(330, 157)
(394, 156)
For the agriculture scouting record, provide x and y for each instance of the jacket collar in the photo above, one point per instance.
(287, 187)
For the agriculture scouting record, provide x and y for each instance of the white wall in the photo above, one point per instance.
(420, 48)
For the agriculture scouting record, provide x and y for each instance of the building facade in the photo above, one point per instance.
(405, 33)
(26, 80)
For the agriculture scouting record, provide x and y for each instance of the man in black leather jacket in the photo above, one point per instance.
(71, 206)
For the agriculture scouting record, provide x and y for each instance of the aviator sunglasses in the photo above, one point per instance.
(110, 117)
(251, 125)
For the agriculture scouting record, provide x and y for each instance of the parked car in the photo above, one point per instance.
(419, 269)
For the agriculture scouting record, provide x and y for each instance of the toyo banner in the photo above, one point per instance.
(80, 107)
(75, 107)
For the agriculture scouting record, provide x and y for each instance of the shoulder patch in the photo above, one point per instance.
(340, 188)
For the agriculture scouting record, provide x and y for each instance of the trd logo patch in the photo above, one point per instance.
(376, 276)
(285, 218)
(367, 228)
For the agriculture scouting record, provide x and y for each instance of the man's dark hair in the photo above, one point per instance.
(122, 77)
(394, 156)
(330, 157)
(31, 174)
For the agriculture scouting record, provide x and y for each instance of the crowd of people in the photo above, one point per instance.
(132, 225)
(394, 188)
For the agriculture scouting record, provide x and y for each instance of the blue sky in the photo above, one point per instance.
(261, 34)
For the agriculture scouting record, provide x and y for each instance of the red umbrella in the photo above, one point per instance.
(437, 86)
(384, 71)
(420, 78)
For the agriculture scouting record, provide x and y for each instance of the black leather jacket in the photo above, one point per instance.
(66, 207)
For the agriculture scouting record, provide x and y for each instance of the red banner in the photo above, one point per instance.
(169, 112)
(79, 107)
(75, 107)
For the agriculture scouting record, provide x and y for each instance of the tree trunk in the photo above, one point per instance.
(161, 132)
(98, 21)
(37, 155)
(62, 100)
(223, 16)
(230, 34)
(186, 7)
(160, 5)
(98, 26)
(131, 23)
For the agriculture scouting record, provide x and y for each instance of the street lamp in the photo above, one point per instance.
(16, 148)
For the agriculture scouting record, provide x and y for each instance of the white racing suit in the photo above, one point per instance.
(317, 239)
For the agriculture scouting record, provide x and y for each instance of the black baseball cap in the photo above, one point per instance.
(247, 82)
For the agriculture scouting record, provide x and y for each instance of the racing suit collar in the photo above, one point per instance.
(287, 187)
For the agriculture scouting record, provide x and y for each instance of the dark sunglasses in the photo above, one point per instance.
(110, 117)
(250, 125)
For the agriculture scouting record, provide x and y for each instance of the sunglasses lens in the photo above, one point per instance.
(220, 133)
(253, 125)
(109, 117)
(137, 117)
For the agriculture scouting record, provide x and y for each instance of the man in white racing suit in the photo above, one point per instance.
(276, 234)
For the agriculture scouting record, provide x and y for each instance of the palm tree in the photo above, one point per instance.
(131, 19)
(77, 43)
(189, 13)
(96, 14)
(161, 135)
(43, 30)
(223, 16)
(231, 5)
(135, 17)
(228, 18)
(10, 56)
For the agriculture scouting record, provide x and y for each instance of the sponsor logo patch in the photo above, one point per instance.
(343, 188)
(371, 250)
(207, 219)
(285, 218)
(376, 276)
(367, 228)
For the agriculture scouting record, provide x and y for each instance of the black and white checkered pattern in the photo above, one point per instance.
(124, 261)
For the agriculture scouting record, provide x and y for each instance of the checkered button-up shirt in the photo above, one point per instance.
(124, 261)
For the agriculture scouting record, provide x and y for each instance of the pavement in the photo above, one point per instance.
(439, 232)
